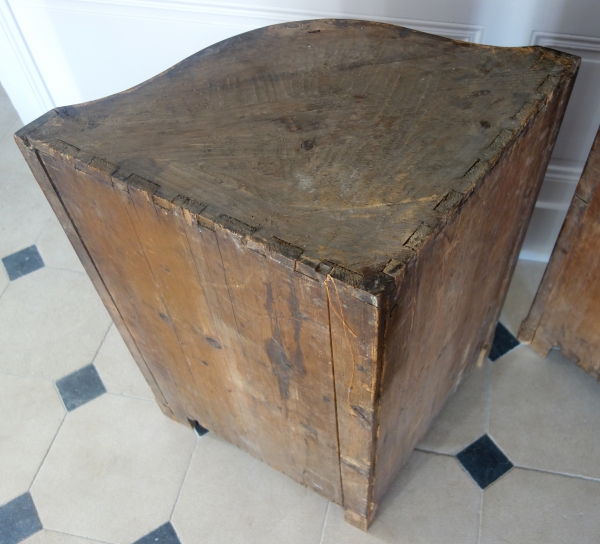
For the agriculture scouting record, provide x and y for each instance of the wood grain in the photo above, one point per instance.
(305, 232)
(395, 120)
(565, 311)
(447, 305)
(355, 338)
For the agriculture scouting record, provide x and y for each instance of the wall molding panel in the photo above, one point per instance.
(244, 15)
(559, 186)
(586, 47)
(20, 64)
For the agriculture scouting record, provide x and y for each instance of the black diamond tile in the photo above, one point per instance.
(504, 341)
(80, 387)
(23, 262)
(18, 520)
(200, 430)
(165, 534)
(484, 461)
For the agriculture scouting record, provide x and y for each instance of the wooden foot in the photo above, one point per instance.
(360, 521)
(173, 413)
(540, 343)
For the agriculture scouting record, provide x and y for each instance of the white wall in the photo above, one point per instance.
(58, 52)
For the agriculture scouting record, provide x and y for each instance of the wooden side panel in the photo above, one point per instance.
(101, 216)
(162, 235)
(354, 334)
(583, 194)
(205, 252)
(591, 173)
(236, 340)
(447, 306)
(282, 322)
(571, 314)
(565, 239)
(43, 179)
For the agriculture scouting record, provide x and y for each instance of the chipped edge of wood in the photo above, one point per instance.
(369, 288)
(449, 205)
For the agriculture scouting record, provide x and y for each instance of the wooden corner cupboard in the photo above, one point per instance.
(566, 310)
(305, 233)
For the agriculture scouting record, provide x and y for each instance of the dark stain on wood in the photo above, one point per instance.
(284, 367)
(288, 228)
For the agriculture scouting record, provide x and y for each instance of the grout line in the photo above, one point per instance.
(49, 447)
(100, 346)
(29, 376)
(76, 536)
(187, 470)
(47, 224)
(5, 288)
(90, 363)
(565, 474)
(130, 396)
(65, 269)
(325, 522)
(436, 452)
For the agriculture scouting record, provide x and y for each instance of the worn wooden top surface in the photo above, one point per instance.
(339, 137)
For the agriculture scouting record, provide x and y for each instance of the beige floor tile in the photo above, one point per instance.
(228, 496)
(24, 211)
(545, 413)
(522, 290)
(463, 419)
(114, 470)
(117, 368)
(8, 115)
(52, 322)
(432, 501)
(56, 250)
(11, 159)
(52, 537)
(30, 414)
(528, 507)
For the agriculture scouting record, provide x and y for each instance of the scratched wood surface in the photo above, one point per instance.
(448, 304)
(289, 226)
(355, 126)
(566, 311)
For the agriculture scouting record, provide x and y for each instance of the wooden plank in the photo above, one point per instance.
(102, 218)
(449, 300)
(567, 236)
(49, 190)
(565, 313)
(355, 325)
(209, 266)
(282, 321)
(162, 235)
(565, 239)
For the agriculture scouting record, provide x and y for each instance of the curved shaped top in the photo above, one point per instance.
(342, 138)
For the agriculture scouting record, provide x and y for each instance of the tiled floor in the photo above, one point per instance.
(87, 456)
